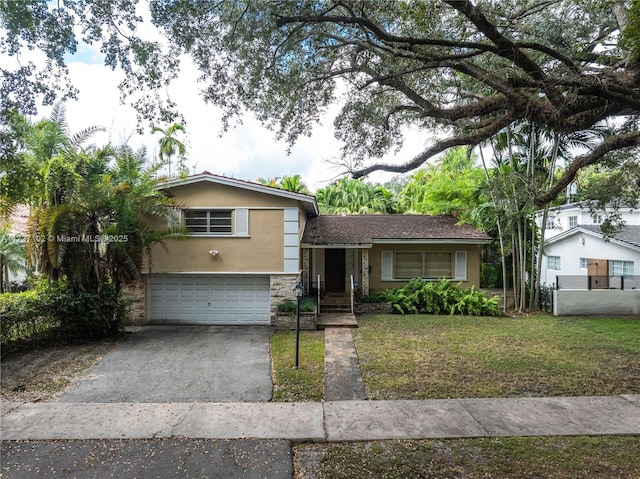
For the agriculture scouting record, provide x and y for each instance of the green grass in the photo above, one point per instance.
(434, 357)
(514, 457)
(306, 382)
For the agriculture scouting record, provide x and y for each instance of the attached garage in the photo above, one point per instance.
(208, 299)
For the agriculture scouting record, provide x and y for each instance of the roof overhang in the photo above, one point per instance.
(336, 246)
(594, 234)
(432, 241)
(308, 202)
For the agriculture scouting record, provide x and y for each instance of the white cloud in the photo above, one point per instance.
(248, 151)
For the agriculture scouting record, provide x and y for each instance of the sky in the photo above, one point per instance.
(248, 151)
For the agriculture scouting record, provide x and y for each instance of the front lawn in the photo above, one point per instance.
(513, 457)
(436, 357)
(302, 384)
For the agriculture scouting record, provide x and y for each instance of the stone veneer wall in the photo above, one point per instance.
(282, 287)
(287, 321)
(491, 292)
(136, 292)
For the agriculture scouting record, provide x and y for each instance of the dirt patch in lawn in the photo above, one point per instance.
(45, 374)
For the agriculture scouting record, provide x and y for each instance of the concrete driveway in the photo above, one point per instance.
(182, 364)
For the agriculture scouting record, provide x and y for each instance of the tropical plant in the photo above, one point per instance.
(87, 229)
(350, 196)
(169, 145)
(451, 186)
(294, 183)
(440, 297)
(290, 183)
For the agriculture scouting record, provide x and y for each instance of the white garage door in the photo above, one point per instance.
(208, 299)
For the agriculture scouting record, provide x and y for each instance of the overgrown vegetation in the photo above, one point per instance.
(440, 297)
(53, 310)
(439, 357)
(558, 457)
(305, 383)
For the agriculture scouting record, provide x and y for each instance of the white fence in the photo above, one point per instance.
(596, 301)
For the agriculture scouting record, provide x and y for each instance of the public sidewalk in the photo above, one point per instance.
(328, 421)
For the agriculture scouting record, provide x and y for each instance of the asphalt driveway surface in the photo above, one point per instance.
(148, 459)
(182, 364)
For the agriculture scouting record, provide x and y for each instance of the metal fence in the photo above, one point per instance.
(597, 282)
(546, 299)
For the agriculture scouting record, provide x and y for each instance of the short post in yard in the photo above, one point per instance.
(298, 291)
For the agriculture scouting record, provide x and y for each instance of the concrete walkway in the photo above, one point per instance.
(329, 421)
(342, 378)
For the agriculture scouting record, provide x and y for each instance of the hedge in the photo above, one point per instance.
(55, 310)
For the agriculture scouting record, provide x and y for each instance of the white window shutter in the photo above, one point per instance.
(242, 222)
(461, 265)
(387, 265)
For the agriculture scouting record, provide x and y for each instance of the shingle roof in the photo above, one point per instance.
(628, 234)
(367, 229)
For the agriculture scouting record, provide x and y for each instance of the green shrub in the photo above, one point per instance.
(54, 310)
(373, 298)
(307, 305)
(489, 275)
(24, 316)
(441, 297)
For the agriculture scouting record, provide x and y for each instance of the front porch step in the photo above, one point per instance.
(335, 308)
(336, 320)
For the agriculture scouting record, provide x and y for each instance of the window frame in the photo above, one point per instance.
(389, 271)
(573, 221)
(628, 267)
(557, 263)
(230, 222)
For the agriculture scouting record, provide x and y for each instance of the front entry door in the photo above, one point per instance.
(334, 270)
(598, 270)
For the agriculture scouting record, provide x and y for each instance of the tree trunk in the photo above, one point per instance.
(503, 258)
(545, 214)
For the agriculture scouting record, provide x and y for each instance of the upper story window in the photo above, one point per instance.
(597, 219)
(551, 223)
(209, 222)
(573, 221)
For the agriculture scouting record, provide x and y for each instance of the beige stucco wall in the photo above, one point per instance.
(375, 260)
(262, 251)
(210, 195)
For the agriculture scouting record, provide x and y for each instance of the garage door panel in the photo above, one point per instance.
(209, 299)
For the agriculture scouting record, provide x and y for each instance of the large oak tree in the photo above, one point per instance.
(465, 70)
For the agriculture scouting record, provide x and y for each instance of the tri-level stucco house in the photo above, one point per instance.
(250, 244)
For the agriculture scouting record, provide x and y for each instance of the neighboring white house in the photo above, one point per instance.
(584, 251)
(17, 223)
(565, 217)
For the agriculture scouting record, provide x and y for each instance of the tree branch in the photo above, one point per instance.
(613, 143)
(463, 140)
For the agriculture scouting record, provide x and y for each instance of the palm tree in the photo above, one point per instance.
(12, 258)
(169, 145)
(294, 183)
(133, 192)
(355, 196)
